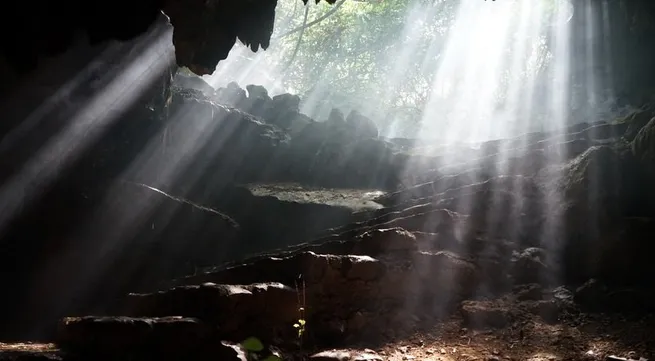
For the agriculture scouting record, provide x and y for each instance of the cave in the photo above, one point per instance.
(143, 206)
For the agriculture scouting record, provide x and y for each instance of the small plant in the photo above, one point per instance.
(254, 348)
(300, 325)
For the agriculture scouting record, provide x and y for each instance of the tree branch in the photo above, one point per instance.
(302, 32)
(313, 22)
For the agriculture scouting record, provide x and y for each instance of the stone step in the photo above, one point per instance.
(344, 294)
(235, 311)
(166, 338)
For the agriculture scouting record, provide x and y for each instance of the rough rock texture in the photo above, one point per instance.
(643, 146)
(161, 185)
(500, 228)
(166, 338)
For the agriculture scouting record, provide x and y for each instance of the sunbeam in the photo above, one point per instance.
(384, 173)
(87, 125)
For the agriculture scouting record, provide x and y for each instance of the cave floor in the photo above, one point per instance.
(594, 338)
(579, 336)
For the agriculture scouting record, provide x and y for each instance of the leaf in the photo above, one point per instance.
(301, 322)
(295, 325)
(252, 344)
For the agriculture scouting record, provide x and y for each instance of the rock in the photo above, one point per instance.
(380, 241)
(123, 335)
(362, 126)
(548, 310)
(334, 355)
(643, 146)
(257, 92)
(30, 356)
(596, 296)
(563, 294)
(337, 157)
(258, 309)
(367, 356)
(230, 352)
(530, 292)
(336, 118)
(444, 277)
(593, 194)
(636, 121)
(193, 82)
(481, 314)
(232, 95)
(530, 266)
(298, 123)
(201, 54)
(287, 101)
(590, 294)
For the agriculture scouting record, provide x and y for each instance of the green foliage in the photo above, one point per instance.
(354, 51)
(254, 347)
(300, 325)
(378, 56)
(252, 344)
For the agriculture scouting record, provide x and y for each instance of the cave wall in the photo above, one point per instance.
(612, 46)
(59, 127)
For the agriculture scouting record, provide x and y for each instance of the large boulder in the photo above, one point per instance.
(336, 118)
(193, 82)
(165, 338)
(342, 293)
(327, 153)
(232, 95)
(126, 236)
(262, 309)
(643, 147)
(636, 120)
(362, 126)
(287, 101)
(284, 110)
(591, 221)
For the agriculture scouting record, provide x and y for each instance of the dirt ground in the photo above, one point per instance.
(574, 335)
(593, 339)
(588, 338)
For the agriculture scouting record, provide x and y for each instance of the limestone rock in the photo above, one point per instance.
(334, 355)
(232, 95)
(287, 101)
(593, 196)
(240, 311)
(193, 82)
(530, 266)
(643, 146)
(484, 314)
(362, 126)
(167, 338)
(636, 121)
(379, 241)
(257, 92)
(548, 310)
(336, 118)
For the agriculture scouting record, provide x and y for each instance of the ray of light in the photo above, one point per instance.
(87, 125)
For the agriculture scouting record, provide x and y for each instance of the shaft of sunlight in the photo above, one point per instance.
(87, 125)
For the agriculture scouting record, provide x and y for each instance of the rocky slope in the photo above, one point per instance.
(183, 180)
(542, 209)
